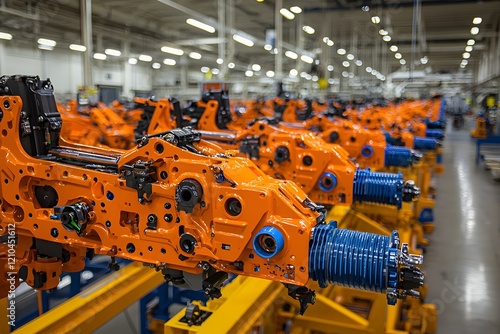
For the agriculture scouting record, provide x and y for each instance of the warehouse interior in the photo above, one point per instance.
(249, 166)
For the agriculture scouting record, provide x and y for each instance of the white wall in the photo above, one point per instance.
(65, 69)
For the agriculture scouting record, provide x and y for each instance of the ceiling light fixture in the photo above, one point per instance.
(169, 62)
(307, 59)
(132, 61)
(296, 9)
(376, 19)
(471, 42)
(270, 74)
(387, 38)
(394, 48)
(256, 67)
(341, 52)
(48, 42)
(156, 66)
(6, 36)
(293, 72)
(243, 40)
(477, 20)
(287, 14)
(100, 56)
(171, 50)
(291, 54)
(308, 30)
(249, 73)
(200, 25)
(474, 30)
(78, 47)
(145, 58)
(113, 52)
(195, 55)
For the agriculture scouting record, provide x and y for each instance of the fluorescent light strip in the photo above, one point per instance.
(287, 14)
(243, 40)
(171, 50)
(145, 58)
(113, 52)
(194, 55)
(100, 56)
(78, 47)
(291, 54)
(200, 25)
(48, 42)
(6, 36)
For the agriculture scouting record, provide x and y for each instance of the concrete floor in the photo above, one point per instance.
(462, 263)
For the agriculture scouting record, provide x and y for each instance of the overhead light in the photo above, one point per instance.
(393, 48)
(243, 40)
(466, 55)
(314, 78)
(291, 54)
(169, 62)
(350, 56)
(48, 42)
(296, 9)
(78, 47)
(345, 74)
(200, 25)
(351, 75)
(132, 61)
(376, 19)
(145, 58)
(345, 63)
(330, 43)
(171, 50)
(358, 62)
(113, 52)
(369, 69)
(220, 61)
(274, 51)
(100, 56)
(156, 66)
(45, 47)
(341, 52)
(374, 72)
(471, 42)
(468, 48)
(329, 68)
(287, 14)
(383, 32)
(386, 38)
(464, 62)
(331, 81)
(303, 74)
(256, 67)
(424, 60)
(474, 30)
(205, 69)
(365, 8)
(382, 78)
(6, 36)
(294, 72)
(306, 59)
(308, 77)
(477, 20)
(215, 71)
(260, 0)
(270, 74)
(231, 65)
(268, 47)
(308, 30)
(249, 73)
(402, 61)
(398, 55)
(462, 66)
(195, 55)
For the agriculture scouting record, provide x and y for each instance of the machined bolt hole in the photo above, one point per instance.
(267, 243)
(186, 195)
(233, 206)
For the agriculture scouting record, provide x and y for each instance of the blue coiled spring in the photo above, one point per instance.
(425, 144)
(353, 259)
(398, 156)
(375, 187)
(434, 133)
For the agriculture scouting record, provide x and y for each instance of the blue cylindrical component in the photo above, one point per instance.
(268, 242)
(434, 133)
(367, 151)
(398, 156)
(425, 144)
(376, 187)
(353, 259)
(327, 181)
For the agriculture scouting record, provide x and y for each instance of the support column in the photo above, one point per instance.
(86, 36)
(230, 25)
(222, 35)
(127, 73)
(278, 27)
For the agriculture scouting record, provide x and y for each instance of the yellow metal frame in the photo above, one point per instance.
(98, 304)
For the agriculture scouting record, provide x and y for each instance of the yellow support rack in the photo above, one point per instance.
(98, 304)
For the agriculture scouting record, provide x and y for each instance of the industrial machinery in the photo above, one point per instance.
(176, 203)
(324, 171)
